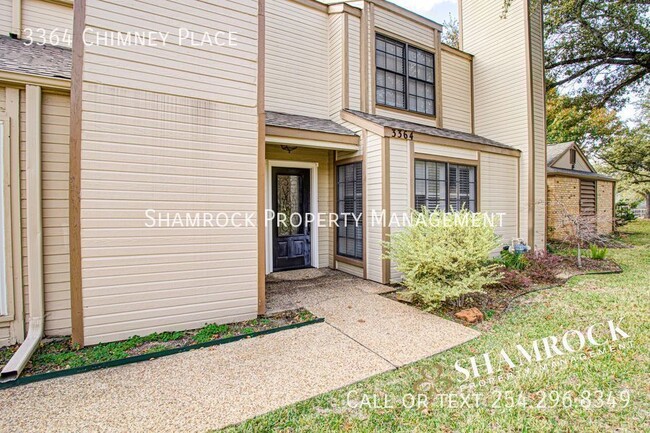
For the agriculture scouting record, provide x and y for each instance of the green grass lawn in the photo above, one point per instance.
(584, 301)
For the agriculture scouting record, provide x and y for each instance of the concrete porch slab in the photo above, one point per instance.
(397, 332)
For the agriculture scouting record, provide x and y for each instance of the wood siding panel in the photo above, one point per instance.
(539, 119)
(445, 151)
(297, 63)
(498, 191)
(500, 80)
(354, 67)
(400, 188)
(56, 246)
(156, 137)
(5, 17)
(224, 74)
(374, 202)
(456, 92)
(394, 23)
(350, 269)
(336, 65)
(54, 18)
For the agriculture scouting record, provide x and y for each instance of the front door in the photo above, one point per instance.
(291, 203)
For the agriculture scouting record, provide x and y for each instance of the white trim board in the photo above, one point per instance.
(313, 198)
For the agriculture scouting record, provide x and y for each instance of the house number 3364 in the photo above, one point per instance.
(402, 133)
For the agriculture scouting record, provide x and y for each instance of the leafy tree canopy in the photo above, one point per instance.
(598, 49)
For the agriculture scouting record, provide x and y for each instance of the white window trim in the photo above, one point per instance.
(313, 167)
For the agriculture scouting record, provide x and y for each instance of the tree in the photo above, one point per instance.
(567, 120)
(601, 48)
(451, 32)
(628, 155)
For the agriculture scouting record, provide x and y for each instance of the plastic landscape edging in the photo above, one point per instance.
(147, 357)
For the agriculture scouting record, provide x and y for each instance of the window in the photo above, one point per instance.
(404, 76)
(444, 186)
(349, 235)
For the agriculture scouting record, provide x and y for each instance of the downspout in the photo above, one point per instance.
(36, 328)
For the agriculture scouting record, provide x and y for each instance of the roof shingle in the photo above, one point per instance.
(427, 130)
(306, 123)
(44, 60)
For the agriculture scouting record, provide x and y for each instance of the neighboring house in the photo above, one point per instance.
(575, 188)
(329, 108)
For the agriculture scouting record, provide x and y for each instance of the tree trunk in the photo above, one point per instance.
(647, 205)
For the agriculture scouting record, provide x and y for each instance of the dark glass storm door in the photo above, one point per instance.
(291, 203)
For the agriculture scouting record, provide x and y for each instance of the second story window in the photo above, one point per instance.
(404, 76)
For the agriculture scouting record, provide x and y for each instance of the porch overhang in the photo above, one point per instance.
(400, 129)
(304, 131)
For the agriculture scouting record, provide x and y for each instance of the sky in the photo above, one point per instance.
(439, 10)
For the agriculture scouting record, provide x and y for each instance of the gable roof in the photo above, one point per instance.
(427, 130)
(34, 59)
(555, 151)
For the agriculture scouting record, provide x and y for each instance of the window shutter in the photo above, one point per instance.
(587, 197)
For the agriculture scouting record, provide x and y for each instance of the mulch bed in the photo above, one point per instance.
(496, 300)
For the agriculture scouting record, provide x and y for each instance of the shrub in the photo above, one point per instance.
(444, 256)
(512, 260)
(623, 212)
(597, 253)
(512, 279)
(542, 266)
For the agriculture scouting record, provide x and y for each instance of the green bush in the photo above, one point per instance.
(512, 260)
(444, 256)
(597, 253)
(624, 212)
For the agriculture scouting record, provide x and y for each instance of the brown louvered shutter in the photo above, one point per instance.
(587, 197)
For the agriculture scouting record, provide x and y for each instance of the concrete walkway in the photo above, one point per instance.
(364, 334)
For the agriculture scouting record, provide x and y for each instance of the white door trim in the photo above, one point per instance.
(313, 198)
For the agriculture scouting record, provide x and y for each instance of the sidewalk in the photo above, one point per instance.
(364, 335)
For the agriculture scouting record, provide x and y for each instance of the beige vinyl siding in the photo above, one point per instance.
(374, 202)
(55, 178)
(394, 23)
(56, 246)
(54, 18)
(445, 151)
(5, 17)
(539, 119)
(565, 162)
(23, 200)
(180, 143)
(400, 188)
(5, 333)
(456, 92)
(336, 65)
(325, 192)
(354, 66)
(218, 73)
(350, 269)
(500, 84)
(405, 115)
(297, 63)
(498, 191)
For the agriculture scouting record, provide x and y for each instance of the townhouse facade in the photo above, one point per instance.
(342, 108)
